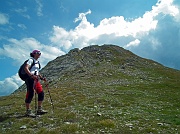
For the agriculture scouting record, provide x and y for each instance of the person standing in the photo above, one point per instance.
(33, 83)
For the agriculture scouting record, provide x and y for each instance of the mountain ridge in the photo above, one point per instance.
(93, 60)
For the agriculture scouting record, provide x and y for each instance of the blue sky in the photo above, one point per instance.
(148, 28)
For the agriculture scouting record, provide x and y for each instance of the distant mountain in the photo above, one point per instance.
(101, 89)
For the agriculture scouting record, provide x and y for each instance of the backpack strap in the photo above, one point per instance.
(39, 65)
(34, 64)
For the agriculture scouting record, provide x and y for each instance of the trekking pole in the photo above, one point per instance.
(35, 104)
(35, 81)
(46, 85)
(34, 86)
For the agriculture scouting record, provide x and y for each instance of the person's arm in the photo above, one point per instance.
(26, 68)
(41, 77)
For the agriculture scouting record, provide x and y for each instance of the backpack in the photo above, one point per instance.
(22, 74)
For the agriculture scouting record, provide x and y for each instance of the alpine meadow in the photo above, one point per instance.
(99, 90)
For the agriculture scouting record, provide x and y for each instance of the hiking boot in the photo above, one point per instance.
(29, 113)
(40, 111)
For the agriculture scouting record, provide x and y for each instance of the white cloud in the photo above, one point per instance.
(82, 16)
(61, 38)
(133, 43)
(166, 7)
(4, 19)
(9, 85)
(19, 50)
(86, 33)
(116, 27)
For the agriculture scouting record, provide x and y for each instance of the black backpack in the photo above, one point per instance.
(22, 74)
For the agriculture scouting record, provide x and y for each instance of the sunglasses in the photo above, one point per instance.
(38, 53)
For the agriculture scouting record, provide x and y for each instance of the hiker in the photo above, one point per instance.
(33, 83)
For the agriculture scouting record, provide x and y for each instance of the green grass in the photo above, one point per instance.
(112, 109)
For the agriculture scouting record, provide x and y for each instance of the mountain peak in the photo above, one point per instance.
(100, 62)
(103, 88)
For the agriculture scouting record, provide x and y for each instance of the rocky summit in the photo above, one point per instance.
(100, 89)
(103, 65)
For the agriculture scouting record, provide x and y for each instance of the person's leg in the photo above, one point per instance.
(27, 105)
(29, 95)
(40, 101)
(40, 98)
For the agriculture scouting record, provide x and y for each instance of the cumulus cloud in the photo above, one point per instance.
(116, 26)
(82, 16)
(61, 38)
(138, 35)
(4, 19)
(9, 85)
(166, 7)
(19, 50)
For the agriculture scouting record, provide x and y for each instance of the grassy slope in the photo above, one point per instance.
(141, 108)
(102, 100)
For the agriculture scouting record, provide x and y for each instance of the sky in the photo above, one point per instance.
(148, 28)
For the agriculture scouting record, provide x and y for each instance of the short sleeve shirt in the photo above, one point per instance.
(34, 68)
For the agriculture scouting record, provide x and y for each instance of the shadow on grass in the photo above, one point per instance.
(5, 117)
(17, 116)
